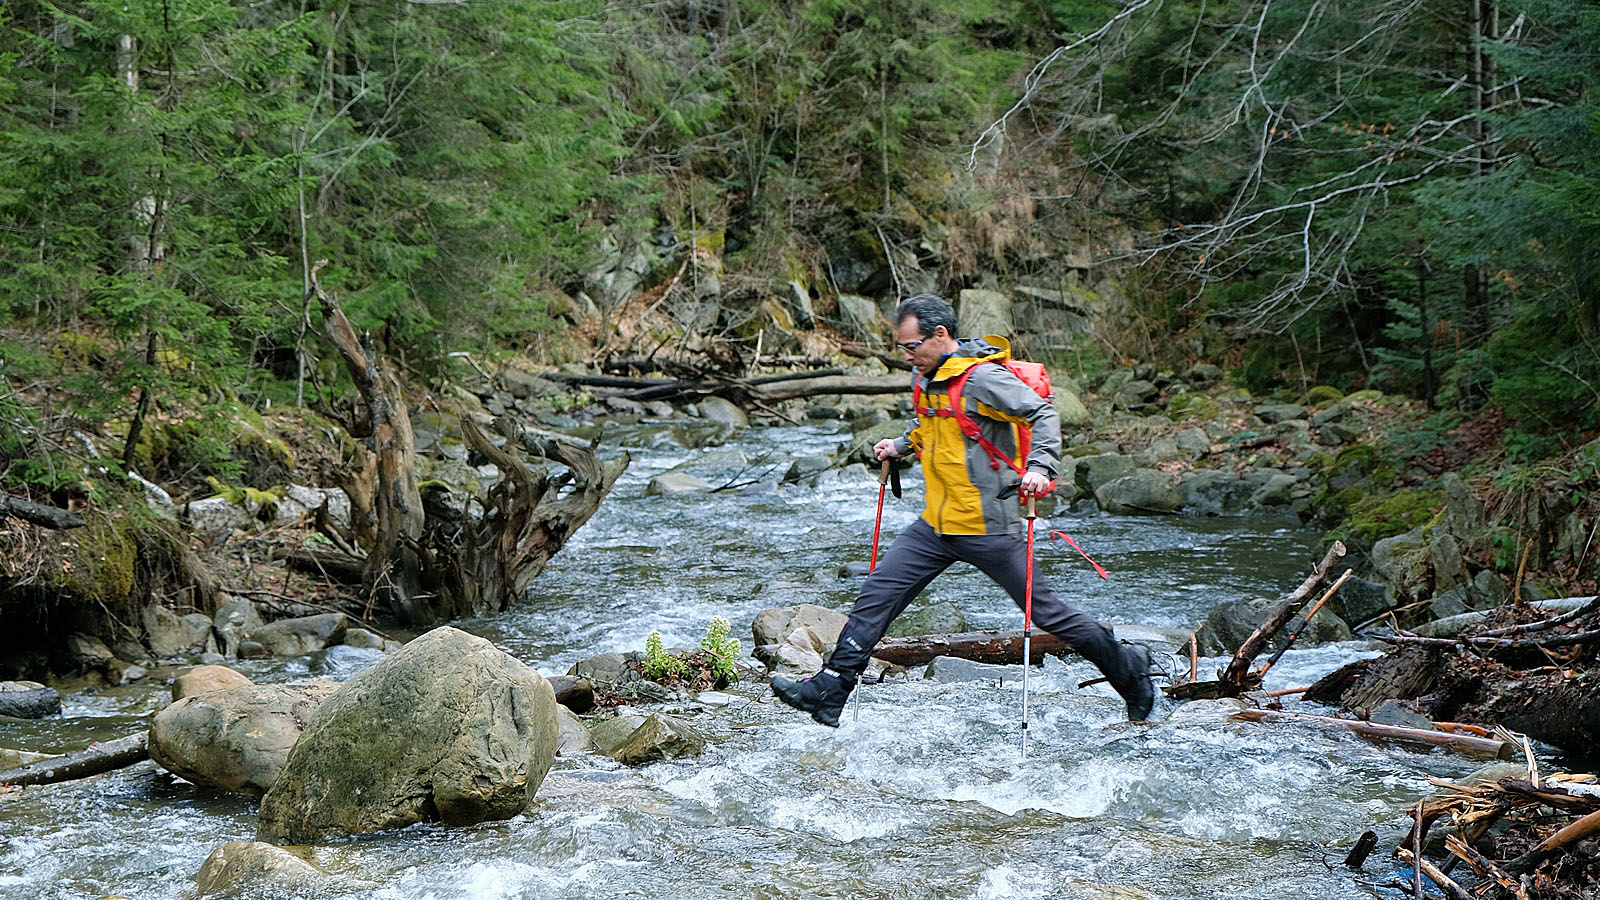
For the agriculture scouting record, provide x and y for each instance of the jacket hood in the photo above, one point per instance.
(970, 352)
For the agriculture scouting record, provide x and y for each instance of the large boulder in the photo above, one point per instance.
(980, 312)
(772, 626)
(299, 636)
(572, 736)
(1070, 407)
(606, 670)
(1213, 491)
(168, 634)
(723, 412)
(235, 619)
(633, 739)
(860, 319)
(203, 679)
(1090, 472)
(1146, 490)
(236, 739)
(447, 728)
(240, 866)
(28, 700)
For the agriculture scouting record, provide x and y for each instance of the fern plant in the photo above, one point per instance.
(658, 663)
(721, 650)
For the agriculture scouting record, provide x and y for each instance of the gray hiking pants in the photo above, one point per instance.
(919, 554)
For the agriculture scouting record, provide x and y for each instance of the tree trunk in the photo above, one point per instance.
(101, 757)
(38, 513)
(1000, 647)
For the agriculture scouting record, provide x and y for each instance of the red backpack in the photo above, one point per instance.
(1031, 374)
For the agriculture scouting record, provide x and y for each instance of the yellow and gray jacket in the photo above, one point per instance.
(962, 484)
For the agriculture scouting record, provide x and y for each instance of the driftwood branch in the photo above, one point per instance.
(1461, 743)
(39, 513)
(97, 758)
(1257, 641)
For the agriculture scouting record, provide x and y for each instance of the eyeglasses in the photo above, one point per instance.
(912, 346)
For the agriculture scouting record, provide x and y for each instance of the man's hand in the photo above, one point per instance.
(1035, 484)
(885, 449)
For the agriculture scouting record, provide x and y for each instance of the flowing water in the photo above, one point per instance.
(922, 793)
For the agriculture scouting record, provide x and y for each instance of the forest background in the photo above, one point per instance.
(1401, 195)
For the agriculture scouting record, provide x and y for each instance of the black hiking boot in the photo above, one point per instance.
(1139, 693)
(822, 695)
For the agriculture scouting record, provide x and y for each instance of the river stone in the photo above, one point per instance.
(1401, 563)
(1213, 492)
(669, 484)
(1146, 490)
(939, 617)
(233, 622)
(254, 865)
(447, 728)
(1396, 712)
(1069, 407)
(1194, 441)
(805, 469)
(1231, 621)
(633, 739)
(202, 679)
(771, 626)
(800, 652)
(723, 412)
(168, 634)
(214, 518)
(363, 639)
(28, 700)
(1202, 373)
(302, 635)
(572, 736)
(1160, 451)
(573, 693)
(235, 739)
(1274, 493)
(605, 669)
(1090, 472)
(1359, 600)
(952, 669)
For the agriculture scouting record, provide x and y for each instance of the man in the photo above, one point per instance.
(966, 517)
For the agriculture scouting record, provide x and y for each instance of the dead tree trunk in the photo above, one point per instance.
(394, 568)
(428, 562)
(525, 519)
(101, 757)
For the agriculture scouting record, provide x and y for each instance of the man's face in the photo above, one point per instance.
(923, 353)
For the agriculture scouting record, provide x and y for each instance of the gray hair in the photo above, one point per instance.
(929, 311)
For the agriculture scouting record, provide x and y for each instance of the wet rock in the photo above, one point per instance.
(771, 626)
(951, 669)
(572, 692)
(805, 469)
(254, 866)
(723, 412)
(646, 691)
(1231, 621)
(670, 484)
(448, 728)
(1359, 600)
(1213, 492)
(633, 739)
(235, 739)
(605, 669)
(363, 639)
(572, 736)
(87, 652)
(940, 617)
(28, 700)
(249, 649)
(1090, 472)
(1145, 490)
(131, 674)
(302, 635)
(203, 679)
(167, 634)
(233, 622)
(1397, 712)
(1275, 492)
(799, 653)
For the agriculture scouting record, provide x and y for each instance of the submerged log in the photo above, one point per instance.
(97, 758)
(1001, 647)
(1461, 743)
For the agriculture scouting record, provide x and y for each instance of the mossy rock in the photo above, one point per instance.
(1377, 516)
(1322, 396)
(1193, 407)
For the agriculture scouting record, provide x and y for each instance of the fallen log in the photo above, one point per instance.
(330, 565)
(1001, 647)
(39, 513)
(1460, 743)
(97, 758)
(869, 384)
(1257, 641)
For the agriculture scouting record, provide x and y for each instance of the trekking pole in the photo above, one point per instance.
(877, 529)
(1027, 623)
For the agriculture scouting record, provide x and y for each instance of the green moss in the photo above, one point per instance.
(1193, 407)
(1322, 396)
(1377, 516)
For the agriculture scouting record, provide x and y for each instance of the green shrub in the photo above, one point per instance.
(721, 651)
(658, 663)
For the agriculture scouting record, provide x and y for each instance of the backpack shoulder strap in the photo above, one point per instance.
(970, 428)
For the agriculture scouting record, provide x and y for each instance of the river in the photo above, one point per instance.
(922, 793)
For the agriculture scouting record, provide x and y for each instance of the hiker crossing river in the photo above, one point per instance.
(925, 795)
(975, 473)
